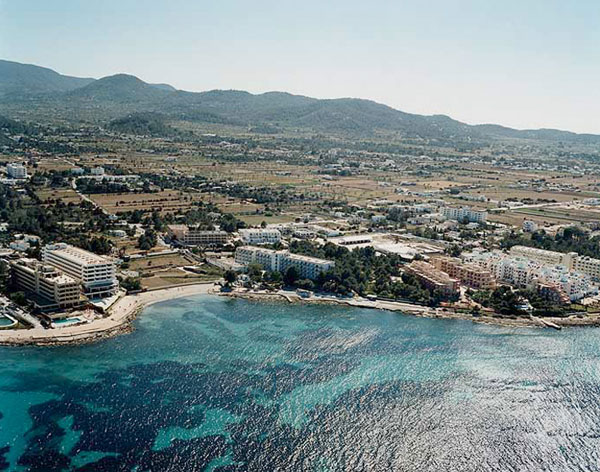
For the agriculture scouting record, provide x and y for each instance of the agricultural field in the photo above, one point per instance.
(66, 195)
(165, 201)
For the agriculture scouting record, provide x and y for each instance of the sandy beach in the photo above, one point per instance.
(118, 321)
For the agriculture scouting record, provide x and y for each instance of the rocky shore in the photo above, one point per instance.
(419, 310)
(126, 309)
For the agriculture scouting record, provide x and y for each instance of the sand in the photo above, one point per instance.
(118, 321)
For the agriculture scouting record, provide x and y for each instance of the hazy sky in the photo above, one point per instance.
(521, 63)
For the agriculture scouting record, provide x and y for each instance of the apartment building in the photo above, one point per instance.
(469, 274)
(432, 278)
(520, 271)
(281, 261)
(16, 170)
(255, 236)
(51, 289)
(544, 257)
(96, 274)
(553, 293)
(587, 265)
(464, 213)
(192, 236)
(308, 267)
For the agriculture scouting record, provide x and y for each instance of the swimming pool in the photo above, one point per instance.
(4, 321)
(67, 321)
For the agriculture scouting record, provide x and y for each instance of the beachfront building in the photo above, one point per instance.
(469, 274)
(281, 261)
(464, 213)
(432, 278)
(96, 274)
(46, 287)
(522, 272)
(572, 261)
(16, 170)
(553, 293)
(193, 236)
(544, 257)
(258, 236)
(587, 265)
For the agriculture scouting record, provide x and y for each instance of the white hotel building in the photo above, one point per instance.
(16, 170)
(572, 261)
(51, 288)
(260, 236)
(522, 271)
(96, 274)
(271, 260)
(460, 214)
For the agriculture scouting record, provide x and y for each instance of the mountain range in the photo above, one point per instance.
(31, 91)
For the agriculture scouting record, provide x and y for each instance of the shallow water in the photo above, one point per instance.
(211, 383)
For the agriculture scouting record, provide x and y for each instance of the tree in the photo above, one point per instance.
(131, 284)
(19, 298)
(454, 250)
(306, 284)
(147, 240)
(230, 276)
(255, 272)
(291, 276)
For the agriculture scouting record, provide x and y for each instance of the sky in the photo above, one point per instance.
(524, 64)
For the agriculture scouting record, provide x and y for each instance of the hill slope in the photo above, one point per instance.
(33, 92)
(119, 88)
(16, 78)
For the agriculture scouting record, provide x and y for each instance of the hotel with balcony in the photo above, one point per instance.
(96, 274)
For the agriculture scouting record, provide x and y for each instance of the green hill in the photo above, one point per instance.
(38, 93)
(21, 79)
(149, 124)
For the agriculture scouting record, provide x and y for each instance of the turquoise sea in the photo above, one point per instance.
(211, 383)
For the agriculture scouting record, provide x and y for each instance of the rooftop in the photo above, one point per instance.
(77, 255)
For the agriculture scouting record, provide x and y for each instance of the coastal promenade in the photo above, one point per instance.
(118, 321)
(422, 311)
(125, 310)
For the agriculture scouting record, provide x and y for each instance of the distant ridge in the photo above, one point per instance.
(114, 97)
(120, 88)
(17, 78)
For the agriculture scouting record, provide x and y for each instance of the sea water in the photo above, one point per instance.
(211, 383)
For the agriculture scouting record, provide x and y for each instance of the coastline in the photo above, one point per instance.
(125, 310)
(119, 321)
(419, 310)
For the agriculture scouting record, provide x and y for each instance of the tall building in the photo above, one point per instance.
(460, 214)
(16, 170)
(192, 236)
(281, 261)
(50, 288)
(96, 274)
(260, 236)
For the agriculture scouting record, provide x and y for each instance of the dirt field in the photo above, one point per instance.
(66, 195)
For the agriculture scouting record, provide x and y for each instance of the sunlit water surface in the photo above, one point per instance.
(210, 383)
